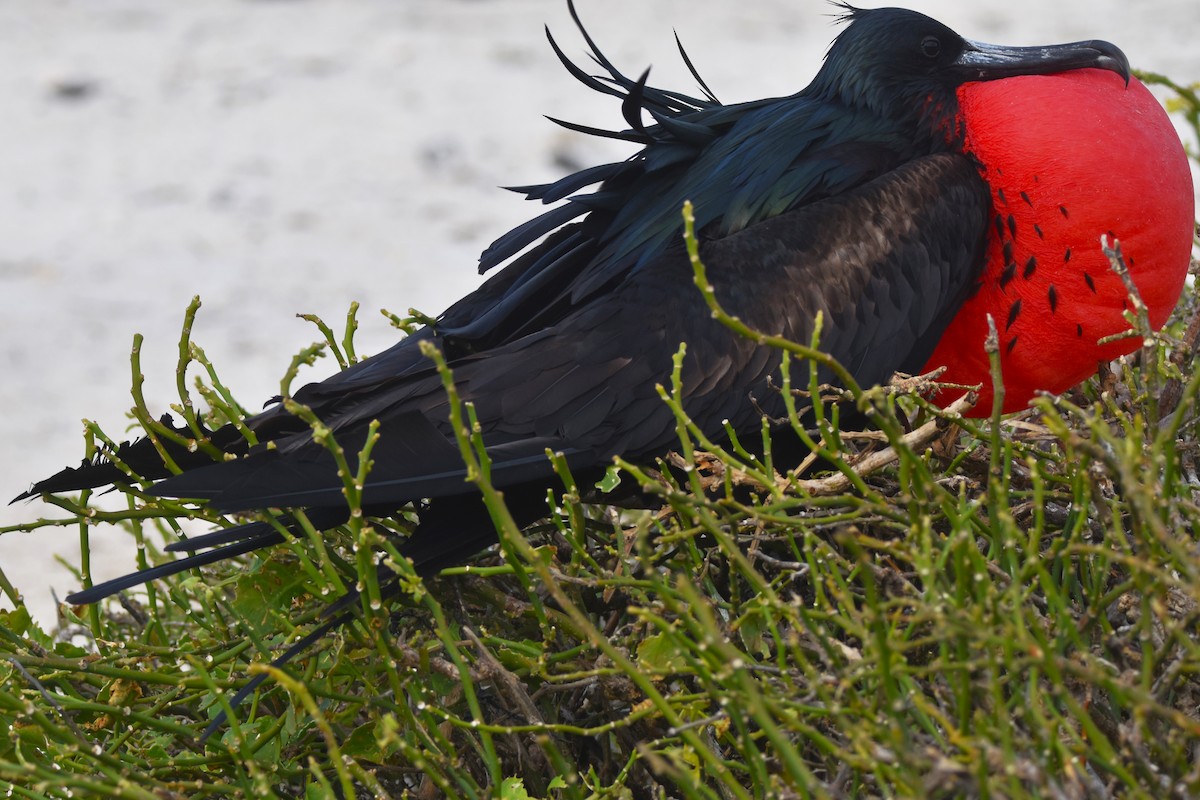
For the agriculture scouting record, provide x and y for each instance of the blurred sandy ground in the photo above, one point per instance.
(286, 156)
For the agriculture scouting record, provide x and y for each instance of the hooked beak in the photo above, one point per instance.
(985, 62)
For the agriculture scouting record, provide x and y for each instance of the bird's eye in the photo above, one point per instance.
(931, 47)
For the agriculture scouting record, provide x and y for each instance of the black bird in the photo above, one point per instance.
(852, 198)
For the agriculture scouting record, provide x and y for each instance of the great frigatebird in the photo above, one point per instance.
(873, 197)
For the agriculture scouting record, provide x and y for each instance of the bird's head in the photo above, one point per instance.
(902, 64)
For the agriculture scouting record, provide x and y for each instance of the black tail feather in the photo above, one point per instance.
(321, 519)
(236, 533)
(144, 458)
(107, 588)
(140, 457)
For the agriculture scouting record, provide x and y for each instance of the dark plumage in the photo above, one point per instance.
(851, 198)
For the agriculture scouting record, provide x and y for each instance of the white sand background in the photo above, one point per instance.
(287, 156)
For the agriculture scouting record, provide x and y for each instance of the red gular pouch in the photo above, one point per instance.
(1069, 158)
